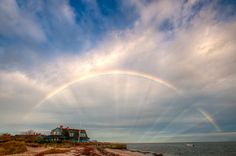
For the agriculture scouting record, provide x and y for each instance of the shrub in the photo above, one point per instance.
(5, 137)
(12, 147)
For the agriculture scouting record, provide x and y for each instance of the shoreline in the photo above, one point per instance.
(131, 152)
(146, 152)
(32, 148)
(81, 150)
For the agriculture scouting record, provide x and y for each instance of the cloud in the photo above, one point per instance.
(183, 43)
(15, 23)
(18, 94)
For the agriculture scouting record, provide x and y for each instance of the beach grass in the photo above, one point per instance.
(112, 145)
(12, 147)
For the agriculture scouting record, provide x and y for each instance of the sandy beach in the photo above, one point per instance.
(77, 151)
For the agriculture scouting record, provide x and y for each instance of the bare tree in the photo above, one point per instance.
(29, 132)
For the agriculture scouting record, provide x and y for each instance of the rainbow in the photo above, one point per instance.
(113, 72)
(54, 92)
(210, 119)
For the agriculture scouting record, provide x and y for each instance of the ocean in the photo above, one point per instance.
(188, 149)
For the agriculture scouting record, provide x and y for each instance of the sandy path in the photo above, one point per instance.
(31, 151)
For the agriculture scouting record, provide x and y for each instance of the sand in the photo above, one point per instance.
(78, 150)
(126, 152)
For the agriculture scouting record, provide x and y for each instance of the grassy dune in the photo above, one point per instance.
(12, 147)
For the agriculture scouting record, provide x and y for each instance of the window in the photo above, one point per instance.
(82, 135)
(71, 134)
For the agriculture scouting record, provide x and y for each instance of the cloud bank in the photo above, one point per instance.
(189, 44)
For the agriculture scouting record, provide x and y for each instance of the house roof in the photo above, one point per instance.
(73, 129)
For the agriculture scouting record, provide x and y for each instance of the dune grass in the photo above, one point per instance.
(12, 147)
(112, 145)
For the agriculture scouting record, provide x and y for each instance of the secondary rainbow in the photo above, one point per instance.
(210, 119)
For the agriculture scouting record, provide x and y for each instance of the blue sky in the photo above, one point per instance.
(130, 71)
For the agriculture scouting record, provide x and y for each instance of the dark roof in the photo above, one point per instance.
(72, 129)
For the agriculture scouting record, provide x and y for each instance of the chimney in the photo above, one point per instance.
(61, 126)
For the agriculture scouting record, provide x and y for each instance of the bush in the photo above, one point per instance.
(28, 138)
(12, 147)
(2, 151)
(5, 137)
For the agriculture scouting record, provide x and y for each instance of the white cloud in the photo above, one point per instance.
(17, 23)
(18, 95)
(197, 56)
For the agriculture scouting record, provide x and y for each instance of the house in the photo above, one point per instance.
(69, 134)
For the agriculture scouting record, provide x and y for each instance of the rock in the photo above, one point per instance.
(157, 154)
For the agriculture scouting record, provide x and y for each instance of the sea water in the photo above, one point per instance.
(188, 149)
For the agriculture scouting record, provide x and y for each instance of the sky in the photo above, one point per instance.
(124, 70)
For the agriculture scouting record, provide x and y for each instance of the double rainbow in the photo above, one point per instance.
(155, 79)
